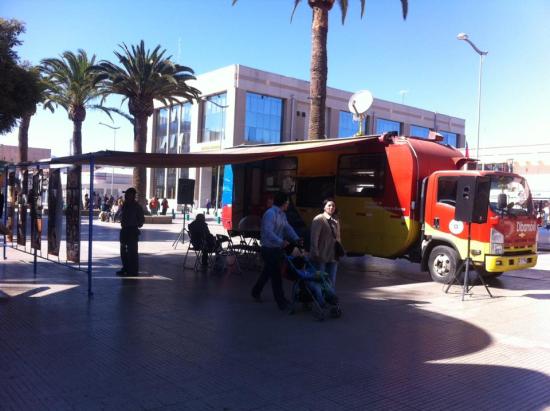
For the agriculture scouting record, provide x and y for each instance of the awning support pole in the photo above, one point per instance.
(90, 227)
(5, 205)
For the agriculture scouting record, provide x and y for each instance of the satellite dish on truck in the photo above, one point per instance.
(358, 104)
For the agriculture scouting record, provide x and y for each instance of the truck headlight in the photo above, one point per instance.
(497, 242)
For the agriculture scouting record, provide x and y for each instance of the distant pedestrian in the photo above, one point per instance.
(275, 235)
(208, 205)
(154, 206)
(164, 206)
(131, 219)
(325, 246)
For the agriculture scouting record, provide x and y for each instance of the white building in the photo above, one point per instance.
(532, 161)
(108, 180)
(242, 105)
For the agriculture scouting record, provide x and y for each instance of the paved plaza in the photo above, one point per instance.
(177, 339)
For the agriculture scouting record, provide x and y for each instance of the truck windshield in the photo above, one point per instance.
(517, 195)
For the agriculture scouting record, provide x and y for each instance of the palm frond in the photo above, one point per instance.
(144, 75)
(296, 2)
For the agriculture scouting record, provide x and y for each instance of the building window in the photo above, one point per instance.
(185, 127)
(418, 131)
(173, 130)
(383, 125)
(361, 175)
(213, 118)
(185, 134)
(449, 138)
(264, 118)
(171, 183)
(347, 127)
(161, 138)
(158, 174)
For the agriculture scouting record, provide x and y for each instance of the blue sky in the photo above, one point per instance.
(381, 53)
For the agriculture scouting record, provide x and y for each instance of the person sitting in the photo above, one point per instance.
(316, 281)
(201, 238)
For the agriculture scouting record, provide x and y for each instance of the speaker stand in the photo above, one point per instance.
(467, 262)
(181, 235)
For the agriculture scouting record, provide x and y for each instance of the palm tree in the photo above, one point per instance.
(318, 67)
(72, 86)
(43, 88)
(144, 76)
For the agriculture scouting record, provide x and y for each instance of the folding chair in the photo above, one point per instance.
(239, 246)
(227, 254)
(198, 254)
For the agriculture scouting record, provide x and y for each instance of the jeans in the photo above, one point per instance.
(330, 269)
(273, 260)
(320, 295)
(129, 250)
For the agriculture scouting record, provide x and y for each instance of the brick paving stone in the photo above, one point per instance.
(196, 341)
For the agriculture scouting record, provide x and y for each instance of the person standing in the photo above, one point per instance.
(131, 219)
(325, 232)
(275, 233)
(154, 205)
(164, 206)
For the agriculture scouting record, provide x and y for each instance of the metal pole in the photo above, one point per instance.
(112, 168)
(114, 128)
(5, 205)
(90, 228)
(217, 192)
(35, 264)
(479, 103)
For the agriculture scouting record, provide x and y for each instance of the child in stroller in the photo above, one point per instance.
(311, 285)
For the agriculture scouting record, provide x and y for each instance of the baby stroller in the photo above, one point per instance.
(311, 288)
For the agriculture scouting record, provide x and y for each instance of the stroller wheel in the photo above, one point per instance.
(336, 312)
(319, 313)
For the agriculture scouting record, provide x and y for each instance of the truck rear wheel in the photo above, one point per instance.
(443, 263)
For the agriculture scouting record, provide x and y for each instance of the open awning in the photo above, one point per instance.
(233, 155)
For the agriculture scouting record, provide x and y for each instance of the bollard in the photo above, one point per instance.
(219, 219)
(187, 215)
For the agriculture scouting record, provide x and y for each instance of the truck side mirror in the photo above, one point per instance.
(502, 201)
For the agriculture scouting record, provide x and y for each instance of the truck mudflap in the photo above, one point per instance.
(501, 263)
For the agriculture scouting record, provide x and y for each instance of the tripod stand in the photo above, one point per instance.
(181, 235)
(466, 287)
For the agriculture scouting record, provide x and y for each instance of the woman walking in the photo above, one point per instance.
(326, 247)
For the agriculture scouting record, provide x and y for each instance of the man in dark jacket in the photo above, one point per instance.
(131, 219)
(201, 238)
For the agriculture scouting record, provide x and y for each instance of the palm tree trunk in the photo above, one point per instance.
(77, 137)
(318, 71)
(24, 137)
(140, 144)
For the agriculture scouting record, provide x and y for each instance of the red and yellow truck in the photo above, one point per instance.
(395, 198)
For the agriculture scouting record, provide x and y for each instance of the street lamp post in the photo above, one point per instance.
(114, 149)
(464, 36)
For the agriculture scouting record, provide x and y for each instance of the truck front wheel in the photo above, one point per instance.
(443, 263)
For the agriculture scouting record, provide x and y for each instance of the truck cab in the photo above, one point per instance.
(506, 241)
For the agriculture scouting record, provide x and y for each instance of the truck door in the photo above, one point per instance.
(440, 207)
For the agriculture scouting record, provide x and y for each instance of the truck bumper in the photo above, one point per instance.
(501, 263)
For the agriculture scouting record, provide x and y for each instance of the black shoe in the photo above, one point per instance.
(121, 272)
(287, 309)
(256, 297)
